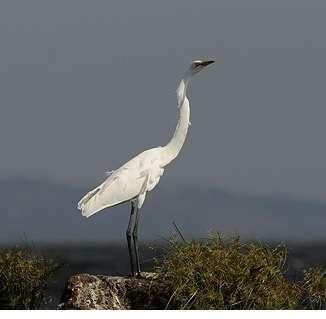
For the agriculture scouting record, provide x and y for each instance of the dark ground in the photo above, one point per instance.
(113, 259)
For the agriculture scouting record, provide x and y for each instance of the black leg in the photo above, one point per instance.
(128, 234)
(135, 238)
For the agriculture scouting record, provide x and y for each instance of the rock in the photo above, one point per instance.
(84, 291)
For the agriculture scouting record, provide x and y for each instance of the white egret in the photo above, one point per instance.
(133, 180)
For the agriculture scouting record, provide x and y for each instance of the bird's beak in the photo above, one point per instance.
(205, 63)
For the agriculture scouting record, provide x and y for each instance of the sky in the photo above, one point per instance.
(86, 85)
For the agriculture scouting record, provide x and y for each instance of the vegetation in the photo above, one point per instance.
(216, 273)
(23, 278)
(223, 273)
(314, 288)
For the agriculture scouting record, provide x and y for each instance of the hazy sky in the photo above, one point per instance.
(86, 85)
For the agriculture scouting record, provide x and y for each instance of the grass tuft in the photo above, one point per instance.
(23, 278)
(314, 285)
(223, 273)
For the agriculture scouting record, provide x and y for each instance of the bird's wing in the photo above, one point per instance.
(94, 194)
(132, 180)
(145, 175)
(151, 177)
(121, 186)
(154, 177)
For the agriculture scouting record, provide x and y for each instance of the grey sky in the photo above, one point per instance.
(85, 85)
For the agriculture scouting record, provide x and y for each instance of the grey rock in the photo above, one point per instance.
(86, 292)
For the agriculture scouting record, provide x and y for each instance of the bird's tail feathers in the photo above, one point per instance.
(83, 202)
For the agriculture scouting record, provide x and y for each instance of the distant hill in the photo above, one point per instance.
(46, 211)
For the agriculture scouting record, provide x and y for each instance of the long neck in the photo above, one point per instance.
(172, 149)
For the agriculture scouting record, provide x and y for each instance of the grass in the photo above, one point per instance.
(216, 273)
(223, 273)
(314, 288)
(24, 277)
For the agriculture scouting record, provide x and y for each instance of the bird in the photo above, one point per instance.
(133, 180)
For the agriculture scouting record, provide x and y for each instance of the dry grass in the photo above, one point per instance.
(23, 278)
(222, 273)
(314, 287)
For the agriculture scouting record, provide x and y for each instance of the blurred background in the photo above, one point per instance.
(86, 85)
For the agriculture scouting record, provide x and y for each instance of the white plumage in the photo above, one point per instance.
(134, 179)
(138, 176)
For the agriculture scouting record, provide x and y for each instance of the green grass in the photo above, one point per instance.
(223, 273)
(23, 278)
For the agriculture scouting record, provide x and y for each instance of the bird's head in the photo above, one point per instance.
(198, 65)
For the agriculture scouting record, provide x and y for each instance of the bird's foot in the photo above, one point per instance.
(132, 275)
(140, 276)
(137, 275)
